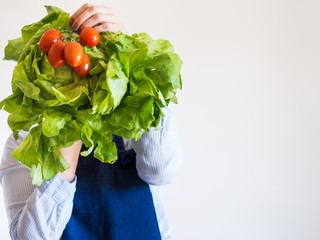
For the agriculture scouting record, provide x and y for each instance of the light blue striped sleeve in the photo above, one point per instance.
(159, 157)
(34, 212)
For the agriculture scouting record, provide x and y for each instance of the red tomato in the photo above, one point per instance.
(83, 69)
(73, 54)
(48, 38)
(89, 37)
(56, 54)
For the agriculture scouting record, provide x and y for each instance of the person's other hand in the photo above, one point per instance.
(101, 18)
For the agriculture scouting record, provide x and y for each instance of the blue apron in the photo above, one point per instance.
(111, 201)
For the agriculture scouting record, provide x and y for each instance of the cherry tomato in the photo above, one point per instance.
(89, 37)
(83, 69)
(56, 54)
(48, 38)
(73, 54)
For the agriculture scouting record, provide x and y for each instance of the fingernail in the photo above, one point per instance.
(75, 26)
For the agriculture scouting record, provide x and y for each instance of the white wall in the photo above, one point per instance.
(248, 115)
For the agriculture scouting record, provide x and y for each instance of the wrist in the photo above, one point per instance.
(68, 176)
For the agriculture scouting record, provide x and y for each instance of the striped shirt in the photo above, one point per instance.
(43, 212)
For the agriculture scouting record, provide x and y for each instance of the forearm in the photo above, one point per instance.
(159, 155)
(46, 211)
(71, 154)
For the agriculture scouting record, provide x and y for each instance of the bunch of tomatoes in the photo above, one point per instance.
(60, 52)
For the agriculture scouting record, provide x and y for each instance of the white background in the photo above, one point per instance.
(248, 115)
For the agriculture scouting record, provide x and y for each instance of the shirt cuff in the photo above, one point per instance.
(58, 188)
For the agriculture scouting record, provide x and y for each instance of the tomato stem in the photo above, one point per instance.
(66, 31)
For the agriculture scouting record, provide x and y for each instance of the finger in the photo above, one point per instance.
(99, 18)
(108, 27)
(79, 12)
(85, 15)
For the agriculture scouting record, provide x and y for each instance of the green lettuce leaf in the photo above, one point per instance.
(131, 79)
(29, 31)
(13, 49)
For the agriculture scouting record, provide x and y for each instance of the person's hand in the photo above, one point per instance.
(101, 18)
(71, 155)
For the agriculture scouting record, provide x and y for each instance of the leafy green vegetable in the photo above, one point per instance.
(13, 49)
(131, 79)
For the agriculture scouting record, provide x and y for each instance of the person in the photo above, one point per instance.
(91, 199)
